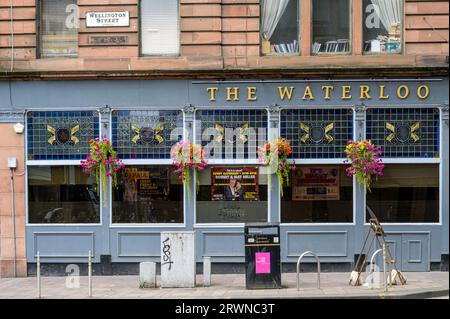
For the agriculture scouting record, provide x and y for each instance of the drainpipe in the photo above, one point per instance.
(13, 216)
(12, 33)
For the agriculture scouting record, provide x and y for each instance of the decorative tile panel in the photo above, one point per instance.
(404, 132)
(60, 135)
(317, 133)
(146, 134)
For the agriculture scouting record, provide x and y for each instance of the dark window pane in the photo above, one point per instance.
(58, 32)
(62, 195)
(226, 196)
(279, 26)
(383, 23)
(406, 193)
(318, 194)
(331, 26)
(148, 194)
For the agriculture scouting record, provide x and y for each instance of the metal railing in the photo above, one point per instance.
(38, 274)
(298, 268)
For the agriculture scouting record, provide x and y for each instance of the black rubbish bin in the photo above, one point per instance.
(262, 256)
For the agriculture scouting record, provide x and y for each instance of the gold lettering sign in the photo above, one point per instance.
(309, 92)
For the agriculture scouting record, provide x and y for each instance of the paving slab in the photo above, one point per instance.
(333, 285)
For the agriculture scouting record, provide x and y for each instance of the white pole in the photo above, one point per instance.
(90, 274)
(38, 275)
(384, 269)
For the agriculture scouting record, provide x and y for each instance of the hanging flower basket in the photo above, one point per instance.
(187, 156)
(364, 161)
(102, 162)
(275, 154)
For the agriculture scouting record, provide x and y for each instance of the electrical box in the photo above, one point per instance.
(12, 162)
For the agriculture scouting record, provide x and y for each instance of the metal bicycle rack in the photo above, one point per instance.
(38, 274)
(385, 266)
(298, 268)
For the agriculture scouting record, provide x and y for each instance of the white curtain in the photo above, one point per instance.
(271, 13)
(390, 12)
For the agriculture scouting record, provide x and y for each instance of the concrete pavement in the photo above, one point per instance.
(333, 285)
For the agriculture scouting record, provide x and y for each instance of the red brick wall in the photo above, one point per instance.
(216, 35)
(12, 145)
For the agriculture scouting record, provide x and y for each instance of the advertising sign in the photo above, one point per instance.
(316, 183)
(234, 184)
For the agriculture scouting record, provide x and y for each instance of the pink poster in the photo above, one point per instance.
(262, 261)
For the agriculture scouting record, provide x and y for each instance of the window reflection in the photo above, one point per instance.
(62, 195)
(318, 194)
(406, 193)
(232, 194)
(331, 26)
(148, 194)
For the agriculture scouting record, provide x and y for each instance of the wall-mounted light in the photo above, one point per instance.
(19, 128)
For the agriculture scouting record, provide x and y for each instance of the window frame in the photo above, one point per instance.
(140, 34)
(332, 161)
(57, 163)
(145, 162)
(228, 162)
(418, 160)
(351, 33)
(38, 24)
(299, 34)
(402, 34)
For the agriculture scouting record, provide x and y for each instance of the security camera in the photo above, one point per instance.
(18, 128)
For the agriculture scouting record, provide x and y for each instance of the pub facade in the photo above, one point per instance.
(251, 92)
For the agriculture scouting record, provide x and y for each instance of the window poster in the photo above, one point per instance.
(234, 184)
(148, 182)
(316, 183)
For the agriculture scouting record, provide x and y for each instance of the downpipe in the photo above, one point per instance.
(13, 217)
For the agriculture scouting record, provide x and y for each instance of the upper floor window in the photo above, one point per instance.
(331, 26)
(58, 34)
(383, 26)
(280, 27)
(159, 27)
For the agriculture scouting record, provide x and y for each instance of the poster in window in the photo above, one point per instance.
(234, 184)
(316, 183)
(149, 182)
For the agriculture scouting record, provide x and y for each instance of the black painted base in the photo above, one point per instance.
(444, 262)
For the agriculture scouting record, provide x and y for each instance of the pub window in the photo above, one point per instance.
(148, 194)
(62, 195)
(318, 194)
(159, 27)
(383, 24)
(317, 133)
(406, 193)
(231, 194)
(280, 27)
(231, 134)
(331, 27)
(404, 132)
(58, 33)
